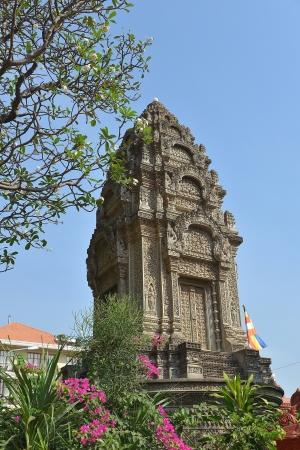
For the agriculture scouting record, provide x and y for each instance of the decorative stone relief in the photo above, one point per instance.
(197, 243)
(193, 314)
(180, 154)
(159, 202)
(174, 131)
(166, 241)
(189, 188)
(151, 271)
(151, 301)
(138, 269)
(202, 270)
(144, 198)
(172, 238)
(174, 279)
(158, 159)
(184, 204)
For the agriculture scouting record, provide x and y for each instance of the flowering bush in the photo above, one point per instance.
(158, 339)
(148, 367)
(155, 341)
(97, 419)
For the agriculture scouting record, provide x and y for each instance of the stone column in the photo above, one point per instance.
(216, 315)
(175, 309)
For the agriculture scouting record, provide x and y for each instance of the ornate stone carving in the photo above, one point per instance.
(180, 155)
(159, 202)
(229, 220)
(144, 198)
(151, 274)
(172, 237)
(193, 314)
(203, 270)
(167, 242)
(197, 243)
(189, 188)
(151, 301)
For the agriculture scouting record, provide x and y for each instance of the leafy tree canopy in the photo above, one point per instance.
(61, 69)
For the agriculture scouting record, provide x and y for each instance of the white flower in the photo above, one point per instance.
(115, 147)
(42, 67)
(93, 56)
(64, 88)
(36, 25)
(101, 199)
(86, 40)
(135, 181)
(105, 29)
(112, 68)
(149, 38)
(14, 144)
(155, 99)
(38, 168)
(49, 249)
(87, 67)
(88, 143)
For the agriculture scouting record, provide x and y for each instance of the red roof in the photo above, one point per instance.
(16, 331)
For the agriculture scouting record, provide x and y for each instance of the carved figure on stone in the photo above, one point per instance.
(158, 159)
(151, 298)
(234, 315)
(229, 220)
(144, 203)
(226, 250)
(214, 176)
(159, 202)
(172, 237)
(156, 136)
(146, 157)
(121, 249)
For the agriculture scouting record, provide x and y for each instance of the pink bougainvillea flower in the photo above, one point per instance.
(166, 434)
(162, 411)
(150, 369)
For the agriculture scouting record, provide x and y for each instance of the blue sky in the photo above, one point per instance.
(229, 70)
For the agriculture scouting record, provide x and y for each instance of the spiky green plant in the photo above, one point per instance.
(33, 416)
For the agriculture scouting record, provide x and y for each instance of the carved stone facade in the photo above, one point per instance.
(167, 242)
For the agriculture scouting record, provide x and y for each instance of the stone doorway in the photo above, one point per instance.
(197, 314)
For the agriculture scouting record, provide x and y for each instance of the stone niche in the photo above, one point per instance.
(167, 242)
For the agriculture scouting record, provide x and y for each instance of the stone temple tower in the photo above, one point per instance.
(167, 242)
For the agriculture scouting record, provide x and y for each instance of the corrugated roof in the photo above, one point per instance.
(16, 331)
